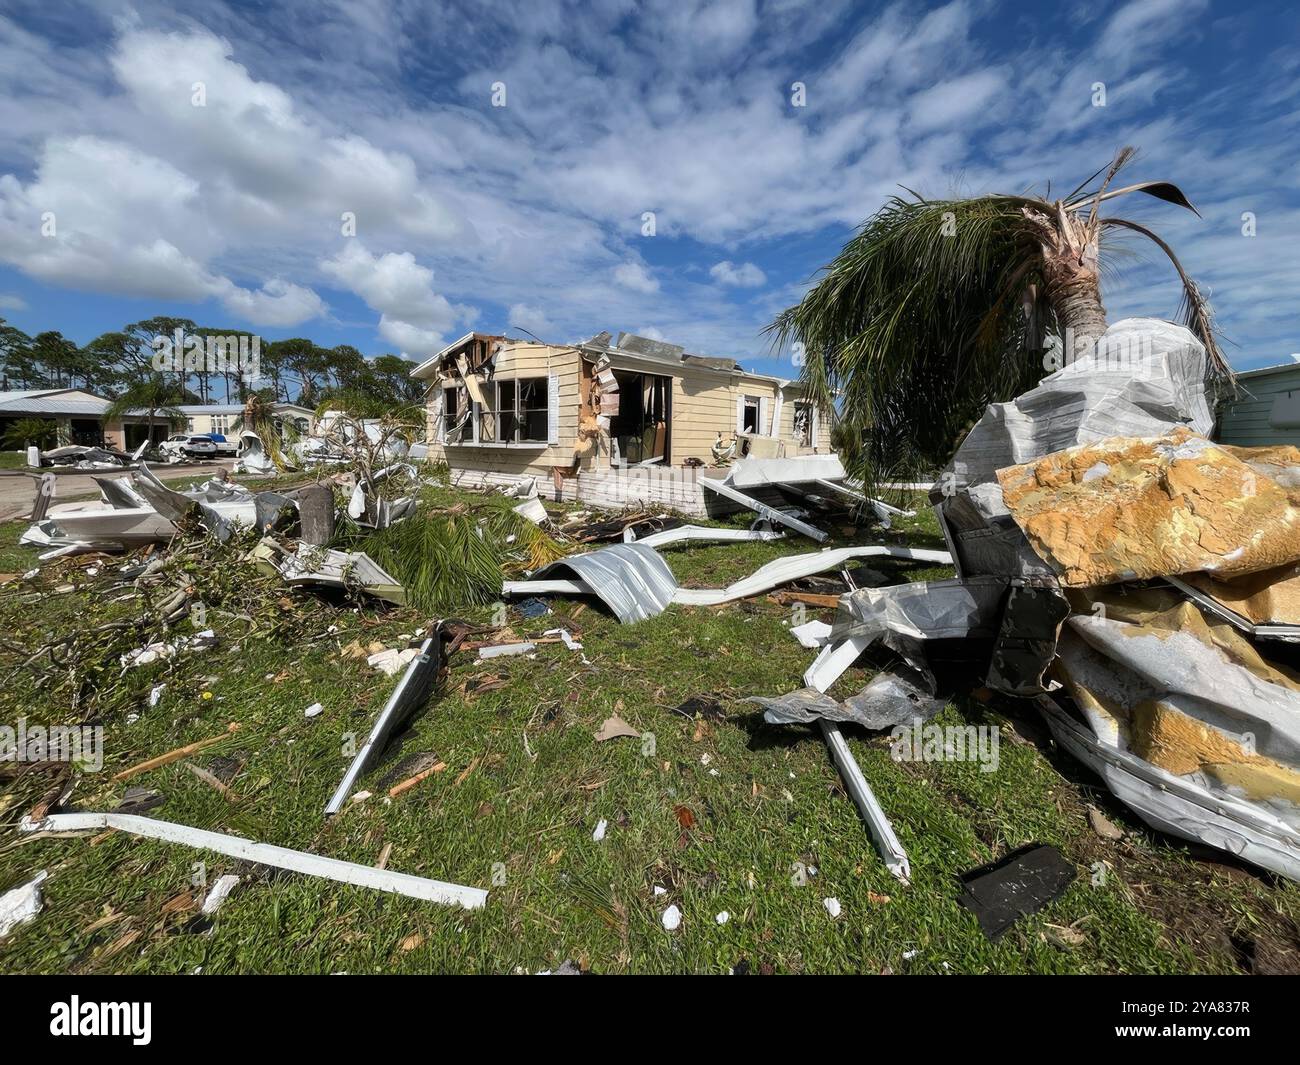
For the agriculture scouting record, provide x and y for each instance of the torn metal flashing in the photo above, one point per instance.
(641, 585)
(412, 691)
(1261, 630)
(772, 514)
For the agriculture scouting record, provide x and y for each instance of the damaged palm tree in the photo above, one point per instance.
(259, 437)
(936, 308)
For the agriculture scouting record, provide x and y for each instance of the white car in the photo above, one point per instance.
(190, 445)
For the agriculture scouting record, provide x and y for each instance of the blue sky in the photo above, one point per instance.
(198, 159)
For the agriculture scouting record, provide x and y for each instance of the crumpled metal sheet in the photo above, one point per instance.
(631, 579)
(636, 590)
(1131, 509)
(1179, 805)
(892, 697)
(925, 610)
(1145, 378)
(1192, 699)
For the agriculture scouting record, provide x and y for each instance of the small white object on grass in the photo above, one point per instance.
(672, 918)
(832, 906)
(155, 693)
(723, 917)
(599, 834)
(660, 890)
(313, 710)
(220, 891)
(22, 904)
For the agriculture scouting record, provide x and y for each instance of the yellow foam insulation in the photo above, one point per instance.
(1270, 596)
(1131, 508)
(1159, 732)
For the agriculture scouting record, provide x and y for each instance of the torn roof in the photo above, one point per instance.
(629, 345)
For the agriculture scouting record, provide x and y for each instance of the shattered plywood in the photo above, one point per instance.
(1134, 508)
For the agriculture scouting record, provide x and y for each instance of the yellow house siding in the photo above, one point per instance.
(515, 362)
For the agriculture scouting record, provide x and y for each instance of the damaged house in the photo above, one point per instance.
(606, 421)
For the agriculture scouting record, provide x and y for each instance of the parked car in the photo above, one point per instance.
(191, 445)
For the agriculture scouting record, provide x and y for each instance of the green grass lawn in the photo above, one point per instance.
(721, 814)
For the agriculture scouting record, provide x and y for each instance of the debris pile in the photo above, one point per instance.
(1133, 577)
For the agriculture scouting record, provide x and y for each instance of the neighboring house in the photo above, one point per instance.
(78, 416)
(608, 422)
(1266, 409)
(221, 417)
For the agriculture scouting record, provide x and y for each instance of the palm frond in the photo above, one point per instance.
(917, 325)
(1195, 308)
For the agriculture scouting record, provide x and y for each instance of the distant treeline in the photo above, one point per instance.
(117, 364)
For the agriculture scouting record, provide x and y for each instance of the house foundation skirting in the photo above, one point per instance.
(677, 488)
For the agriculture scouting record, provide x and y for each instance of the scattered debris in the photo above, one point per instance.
(599, 833)
(506, 650)
(1103, 825)
(410, 782)
(176, 755)
(20, 905)
(313, 710)
(266, 854)
(615, 728)
(832, 905)
(220, 892)
(391, 660)
(1019, 884)
(813, 634)
(672, 918)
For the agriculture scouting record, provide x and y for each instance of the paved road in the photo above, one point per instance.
(18, 487)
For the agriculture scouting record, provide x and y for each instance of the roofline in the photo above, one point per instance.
(1264, 370)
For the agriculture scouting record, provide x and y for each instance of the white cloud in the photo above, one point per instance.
(956, 101)
(12, 302)
(278, 302)
(635, 276)
(522, 316)
(413, 315)
(142, 233)
(746, 275)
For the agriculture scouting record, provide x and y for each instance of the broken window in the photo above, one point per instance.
(522, 412)
(803, 424)
(533, 411)
(452, 415)
(508, 420)
(749, 415)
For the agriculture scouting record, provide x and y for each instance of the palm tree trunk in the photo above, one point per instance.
(1073, 288)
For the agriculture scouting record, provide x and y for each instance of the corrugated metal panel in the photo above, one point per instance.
(1247, 421)
(631, 579)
